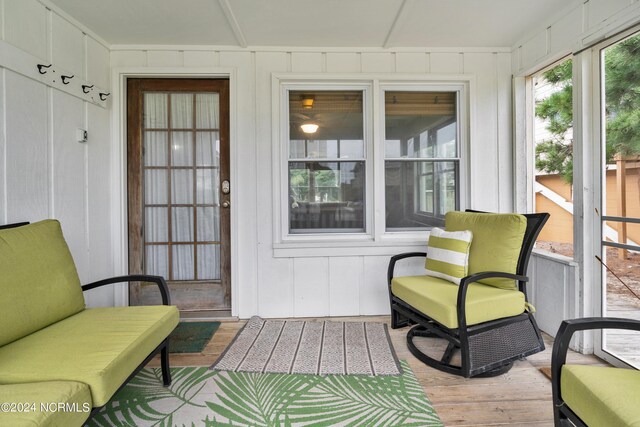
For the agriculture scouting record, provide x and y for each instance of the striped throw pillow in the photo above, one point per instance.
(448, 254)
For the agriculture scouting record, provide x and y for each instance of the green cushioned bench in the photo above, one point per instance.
(39, 404)
(49, 337)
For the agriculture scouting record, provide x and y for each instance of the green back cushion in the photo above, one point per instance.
(38, 279)
(496, 244)
(448, 254)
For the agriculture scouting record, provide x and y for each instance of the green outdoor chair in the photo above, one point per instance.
(593, 395)
(487, 316)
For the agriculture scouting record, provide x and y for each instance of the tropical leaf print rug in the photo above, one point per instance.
(203, 397)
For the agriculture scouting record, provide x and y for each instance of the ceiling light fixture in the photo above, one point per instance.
(307, 102)
(309, 127)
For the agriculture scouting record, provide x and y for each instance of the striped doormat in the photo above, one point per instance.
(311, 347)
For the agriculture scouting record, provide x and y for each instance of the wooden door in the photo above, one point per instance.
(179, 191)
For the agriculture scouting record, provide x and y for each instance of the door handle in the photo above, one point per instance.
(226, 204)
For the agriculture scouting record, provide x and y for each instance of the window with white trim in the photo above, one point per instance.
(326, 161)
(359, 170)
(421, 158)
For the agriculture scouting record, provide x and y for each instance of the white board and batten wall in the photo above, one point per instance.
(44, 171)
(332, 281)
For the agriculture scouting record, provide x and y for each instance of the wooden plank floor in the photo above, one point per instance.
(520, 397)
(623, 344)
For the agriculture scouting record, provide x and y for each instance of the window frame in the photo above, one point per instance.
(435, 177)
(284, 160)
(463, 128)
(375, 239)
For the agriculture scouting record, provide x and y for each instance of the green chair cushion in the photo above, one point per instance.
(437, 298)
(75, 395)
(99, 346)
(602, 396)
(39, 282)
(497, 241)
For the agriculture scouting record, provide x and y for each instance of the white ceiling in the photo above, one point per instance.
(313, 23)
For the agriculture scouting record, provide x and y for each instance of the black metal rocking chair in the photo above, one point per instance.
(488, 348)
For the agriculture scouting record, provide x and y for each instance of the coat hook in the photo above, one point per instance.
(65, 79)
(42, 69)
(103, 96)
(86, 88)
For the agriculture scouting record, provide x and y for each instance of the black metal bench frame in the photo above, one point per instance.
(489, 348)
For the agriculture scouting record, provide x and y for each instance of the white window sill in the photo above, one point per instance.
(345, 245)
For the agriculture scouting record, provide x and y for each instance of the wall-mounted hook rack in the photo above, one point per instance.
(50, 74)
(103, 96)
(42, 69)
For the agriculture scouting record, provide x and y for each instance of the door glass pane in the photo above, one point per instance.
(209, 262)
(156, 225)
(208, 224)
(207, 186)
(181, 186)
(155, 111)
(182, 111)
(155, 148)
(155, 187)
(207, 105)
(157, 260)
(181, 148)
(182, 262)
(182, 224)
(207, 149)
(621, 196)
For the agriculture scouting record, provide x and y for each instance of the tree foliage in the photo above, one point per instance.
(622, 106)
(622, 85)
(554, 155)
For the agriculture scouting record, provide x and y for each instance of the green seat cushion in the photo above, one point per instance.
(99, 346)
(39, 282)
(437, 298)
(497, 241)
(602, 396)
(76, 395)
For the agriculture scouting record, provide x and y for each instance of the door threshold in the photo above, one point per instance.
(207, 315)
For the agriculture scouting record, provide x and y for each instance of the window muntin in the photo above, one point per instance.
(326, 168)
(421, 158)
